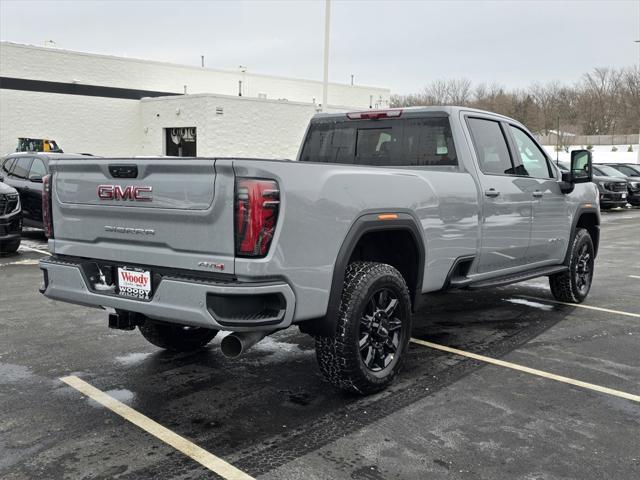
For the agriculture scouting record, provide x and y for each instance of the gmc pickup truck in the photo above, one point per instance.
(380, 208)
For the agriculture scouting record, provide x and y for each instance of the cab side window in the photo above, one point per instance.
(491, 147)
(21, 168)
(533, 159)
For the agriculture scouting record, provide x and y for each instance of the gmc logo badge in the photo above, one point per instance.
(131, 193)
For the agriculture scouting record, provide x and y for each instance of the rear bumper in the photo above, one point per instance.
(232, 305)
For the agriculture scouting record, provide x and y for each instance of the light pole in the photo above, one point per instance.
(327, 30)
(638, 42)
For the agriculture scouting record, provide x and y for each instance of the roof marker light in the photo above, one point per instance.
(375, 114)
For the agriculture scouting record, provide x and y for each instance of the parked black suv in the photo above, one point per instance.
(24, 171)
(10, 219)
(613, 190)
(611, 173)
(633, 182)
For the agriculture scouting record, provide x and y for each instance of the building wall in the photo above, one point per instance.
(245, 128)
(103, 126)
(54, 65)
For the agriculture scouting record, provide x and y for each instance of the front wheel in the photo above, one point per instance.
(573, 286)
(177, 338)
(373, 330)
(10, 247)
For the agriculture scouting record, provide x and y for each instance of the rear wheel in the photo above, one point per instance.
(373, 330)
(177, 338)
(573, 286)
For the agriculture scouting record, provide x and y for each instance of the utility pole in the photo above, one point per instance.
(327, 30)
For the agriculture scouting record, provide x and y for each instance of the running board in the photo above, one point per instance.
(507, 279)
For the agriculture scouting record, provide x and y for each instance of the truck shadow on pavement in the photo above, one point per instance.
(272, 406)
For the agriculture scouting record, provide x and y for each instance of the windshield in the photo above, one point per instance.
(610, 171)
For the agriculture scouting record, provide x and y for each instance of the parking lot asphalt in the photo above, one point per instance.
(270, 415)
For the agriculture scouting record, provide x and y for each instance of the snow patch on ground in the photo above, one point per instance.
(529, 303)
(132, 358)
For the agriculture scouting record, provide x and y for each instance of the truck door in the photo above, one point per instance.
(550, 225)
(506, 205)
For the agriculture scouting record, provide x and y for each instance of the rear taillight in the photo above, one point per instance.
(257, 204)
(47, 219)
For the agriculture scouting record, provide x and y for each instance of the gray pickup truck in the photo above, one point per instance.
(380, 208)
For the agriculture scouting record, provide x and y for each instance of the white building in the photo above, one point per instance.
(116, 106)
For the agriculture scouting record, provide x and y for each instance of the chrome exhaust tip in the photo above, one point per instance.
(235, 344)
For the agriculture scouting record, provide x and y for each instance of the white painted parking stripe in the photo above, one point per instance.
(637, 277)
(210, 461)
(588, 307)
(44, 252)
(532, 371)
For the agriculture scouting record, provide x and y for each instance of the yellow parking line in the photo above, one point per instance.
(637, 277)
(210, 461)
(580, 305)
(532, 371)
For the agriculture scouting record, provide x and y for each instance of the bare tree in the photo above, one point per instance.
(604, 101)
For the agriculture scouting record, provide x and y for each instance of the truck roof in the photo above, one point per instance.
(449, 110)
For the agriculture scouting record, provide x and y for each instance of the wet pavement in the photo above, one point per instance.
(271, 415)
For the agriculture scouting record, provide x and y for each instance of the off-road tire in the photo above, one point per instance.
(339, 355)
(564, 286)
(176, 338)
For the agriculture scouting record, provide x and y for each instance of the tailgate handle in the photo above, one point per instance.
(123, 171)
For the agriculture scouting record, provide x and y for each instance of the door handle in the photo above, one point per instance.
(538, 194)
(492, 192)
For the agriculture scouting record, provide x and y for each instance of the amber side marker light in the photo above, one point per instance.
(388, 216)
(588, 205)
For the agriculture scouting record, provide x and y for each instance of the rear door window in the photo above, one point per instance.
(21, 168)
(491, 147)
(394, 143)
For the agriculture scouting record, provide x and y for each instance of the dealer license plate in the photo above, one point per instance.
(134, 283)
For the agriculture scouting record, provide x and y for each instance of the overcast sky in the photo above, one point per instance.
(397, 44)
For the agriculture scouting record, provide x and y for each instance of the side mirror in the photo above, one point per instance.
(35, 179)
(581, 169)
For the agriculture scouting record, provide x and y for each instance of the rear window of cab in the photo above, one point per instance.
(382, 142)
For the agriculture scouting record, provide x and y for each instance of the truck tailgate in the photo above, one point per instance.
(166, 212)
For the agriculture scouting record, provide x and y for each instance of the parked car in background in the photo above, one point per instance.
(633, 185)
(10, 219)
(629, 169)
(613, 190)
(24, 172)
